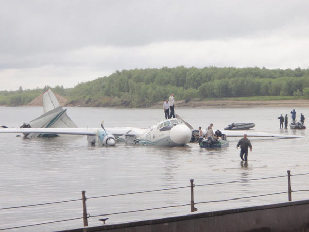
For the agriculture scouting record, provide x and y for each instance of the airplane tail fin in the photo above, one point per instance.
(50, 101)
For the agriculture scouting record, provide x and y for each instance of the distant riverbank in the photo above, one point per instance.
(241, 103)
(213, 103)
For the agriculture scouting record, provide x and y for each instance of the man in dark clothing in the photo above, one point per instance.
(281, 118)
(293, 113)
(286, 120)
(302, 119)
(244, 143)
(166, 109)
(171, 102)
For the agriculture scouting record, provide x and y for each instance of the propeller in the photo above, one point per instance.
(103, 126)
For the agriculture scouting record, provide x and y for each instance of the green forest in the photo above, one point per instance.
(145, 87)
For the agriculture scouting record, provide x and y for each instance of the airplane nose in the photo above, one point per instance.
(181, 134)
(110, 142)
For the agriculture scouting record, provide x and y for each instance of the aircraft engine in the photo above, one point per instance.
(106, 139)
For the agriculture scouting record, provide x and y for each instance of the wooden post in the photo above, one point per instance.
(193, 209)
(289, 185)
(85, 215)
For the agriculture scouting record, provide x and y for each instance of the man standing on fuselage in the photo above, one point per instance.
(172, 109)
(166, 109)
(244, 144)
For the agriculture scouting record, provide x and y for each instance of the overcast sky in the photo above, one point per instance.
(65, 42)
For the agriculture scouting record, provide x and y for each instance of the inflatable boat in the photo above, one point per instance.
(220, 143)
(240, 126)
(297, 125)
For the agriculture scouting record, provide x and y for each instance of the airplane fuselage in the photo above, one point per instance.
(170, 132)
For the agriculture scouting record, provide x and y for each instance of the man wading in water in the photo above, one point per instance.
(244, 143)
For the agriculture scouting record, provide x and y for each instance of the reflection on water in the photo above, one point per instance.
(43, 170)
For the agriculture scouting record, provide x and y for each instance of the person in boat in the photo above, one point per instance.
(200, 134)
(281, 118)
(244, 144)
(210, 135)
(302, 119)
(286, 121)
(166, 108)
(171, 102)
(293, 113)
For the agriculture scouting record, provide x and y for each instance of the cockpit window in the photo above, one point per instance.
(174, 121)
(166, 123)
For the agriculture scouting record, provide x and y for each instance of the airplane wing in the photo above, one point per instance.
(119, 131)
(259, 134)
(52, 131)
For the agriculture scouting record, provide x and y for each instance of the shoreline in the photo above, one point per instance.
(240, 103)
(227, 103)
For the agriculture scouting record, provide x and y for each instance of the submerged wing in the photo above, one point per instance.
(259, 134)
(52, 131)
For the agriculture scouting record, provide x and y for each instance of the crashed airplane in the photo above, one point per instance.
(54, 117)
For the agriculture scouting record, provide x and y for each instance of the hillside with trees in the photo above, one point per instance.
(145, 87)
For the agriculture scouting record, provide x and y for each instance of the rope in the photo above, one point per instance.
(39, 204)
(140, 210)
(239, 181)
(300, 190)
(43, 223)
(240, 198)
(139, 192)
(300, 174)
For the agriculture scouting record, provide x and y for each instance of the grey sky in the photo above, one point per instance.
(64, 42)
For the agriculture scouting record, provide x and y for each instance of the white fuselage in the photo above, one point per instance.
(170, 132)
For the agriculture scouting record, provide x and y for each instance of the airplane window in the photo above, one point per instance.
(160, 125)
(175, 122)
(166, 123)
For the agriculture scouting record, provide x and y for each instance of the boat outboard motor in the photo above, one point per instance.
(218, 133)
(195, 136)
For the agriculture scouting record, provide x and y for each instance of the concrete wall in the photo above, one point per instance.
(290, 216)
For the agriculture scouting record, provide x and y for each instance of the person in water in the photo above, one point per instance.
(172, 106)
(281, 118)
(286, 120)
(302, 119)
(293, 113)
(166, 108)
(244, 144)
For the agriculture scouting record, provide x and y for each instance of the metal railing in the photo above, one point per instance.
(192, 204)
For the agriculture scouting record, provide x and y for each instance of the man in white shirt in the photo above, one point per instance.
(166, 108)
(210, 132)
(171, 103)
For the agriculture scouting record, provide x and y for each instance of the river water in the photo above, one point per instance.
(47, 170)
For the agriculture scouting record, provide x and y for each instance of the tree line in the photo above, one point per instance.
(144, 87)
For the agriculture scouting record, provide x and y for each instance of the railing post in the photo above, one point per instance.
(193, 209)
(85, 215)
(289, 185)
